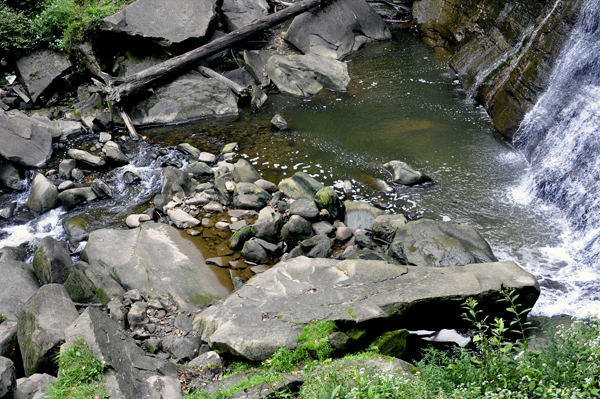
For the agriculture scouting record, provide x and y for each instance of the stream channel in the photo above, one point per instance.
(400, 105)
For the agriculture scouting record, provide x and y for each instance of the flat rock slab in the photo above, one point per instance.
(25, 140)
(189, 97)
(166, 23)
(337, 29)
(156, 259)
(40, 69)
(267, 313)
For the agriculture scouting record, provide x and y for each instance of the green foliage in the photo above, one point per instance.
(2, 318)
(16, 33)
(261, 377)
(80, 374)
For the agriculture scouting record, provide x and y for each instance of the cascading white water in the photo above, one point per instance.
(561, 140)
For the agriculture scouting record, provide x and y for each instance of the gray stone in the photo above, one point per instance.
(205, 360)
(137, 315)
(385, 226)
(427, 242)
(181, 219)
(306, 75)
(189, 97)
(255, 63)
(207, 157)
(41, 327)
(323, 228)
(87, 284)
(302, 290)
(77, 229)
(239, 13)
(10, 177)
(183, 348)
(131, 374)
(189, 149)
(250, 196)
(40, 69)
(305, 208)
(254, 252)
(130, 177)
(229, 147)
(13, 253)
(243, 172)
(301, 185)
(223, 195)
(213, 207)
(34, 387)
(25, 140)
(104, 137)
(317, 247)
(369, 254)
(241, 77)
(43, 195)
(86, 158)
(69, 199)
(167, 24)
(343, 234)
(326, 198)
(360, 215)
(363, 239)
(134, 221)
(101, 189)
(77, 174)
(155, 259)
(279, 122)
(183, 322)
(198, 170)
(67, 184)
(242, 213)
(9, 347)
(52, 262)
(337, 29)
(296, 229)
(114, 153)
(268, 225)
(175, 182)
(403, 173)
(240, 237)
(17, 285)
(266, 185)
(8, 378)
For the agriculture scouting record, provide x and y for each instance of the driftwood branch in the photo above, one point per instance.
(239, 90)
(120, 88)
(129, 124)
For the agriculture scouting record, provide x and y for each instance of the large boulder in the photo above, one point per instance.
(326, 198)
(175, 183)
(269, 311)
(337, 29)
(10, 176)
(239, 13)
(244, 172)
(88, 284)
(51, 261)
(360, 215)
(300, 185)
(403, 173)
(130, 372)
(427, 242)
(24, 140)
(72, 197)
(8, 378)
(8, 340)
(155, 259)
(385, 226)
(114, 153)
(188, 97)
(86, 158)
(41, 327)
(296, 229)
(17, 285)
(306, 75)
(268, 225)
(250, 196)
(34, 387)
(167, 24)
(43, 195)
(40, 69)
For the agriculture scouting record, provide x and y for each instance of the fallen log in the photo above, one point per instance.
(236, 88)
(118, 89)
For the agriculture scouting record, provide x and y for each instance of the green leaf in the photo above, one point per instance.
(531, 385)
(78, 354)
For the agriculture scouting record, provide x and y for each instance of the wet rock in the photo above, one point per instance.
(86, 158)
(238, 326)
(207, 157)
(213, 207)
(240, 237)
(130, 177)
(250, 196)
(175, 23)
(279, 122)
(182, 220)
(259, 99)
(337, 29)
(392, 343)
(77, 174)
(255, 61)
(385, 226)
(52, 262)
(296, 229)
(254, 252)
(40, 69)
(189, 149)
(101, 189)
(364, 241)
(239, 13)
(268, 225)
(175, 183)
(8, 378)
(198, 170)
(68, 184)
(243, 172)
(13, 253)
(427, 242)
(404, 174)
(69, 199)
(24, 140)
(9, 176)
(153, 377)
(369, 254)
(223, 196)
(43, 195)
(77, 229)
(36, 386)
(305, 208)
(301, 185)
(190, 96)
(306, 75)
(41, 327)
(114, 153)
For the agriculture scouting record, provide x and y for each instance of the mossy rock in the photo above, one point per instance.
(392, 343)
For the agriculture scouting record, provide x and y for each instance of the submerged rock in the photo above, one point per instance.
(403, 173)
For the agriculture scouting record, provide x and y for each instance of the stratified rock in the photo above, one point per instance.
(86, 158)
(43, 195)
(302, 290)
(34, 387)
(41, 327)
(255, 63)
(404, 174)
(301, 185)
(52, 262)
(189, 97)
(250, 196)
(427, 242)
(337, 29)
(165, 23)
(130, 372)
(244, 172)
(239, 13)
(155, 259)
(306, 75)
(40, 69)
(360, 215)
(24, 140)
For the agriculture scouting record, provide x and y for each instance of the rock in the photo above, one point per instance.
(189, 149)
(77, 229)
(343, 234)
(391, 343)
(208, 359)
(137, 315)
(239, 13)
(259, 99)
(279, 122)
(207, 157)
(188, 97)
(10, 177)
(25, 140)
(364, 241)
(67, 184)
(183, 348)
(77, 174)
(337, 29)
(177, 23)
(404, 174)
(8, 378)
(243, 172)
(130, 177)
(198, 170)
(40, 69)
(86, 158)
(385, 226)
(306, 75)
(155, 259)
(43, 195)
(296, 229)
(220, 186)
(213, 207)
(427, 242)
(317, 247)
(266, 185)
(87, 284)
(360, 215)
(114, 153)
(13, 253)
(229, 147)
(41, 327)
(250, 196)
(254, 252)
(134, 221)
(182, 220)
(131, 374)
(268, 225)
(52, 262)
(240, 237)
(175, 182)
(305, 208)
(301, 185)
(369, 254)
(238, 326)
(101, 189)
(104, 137)
(242, 213)
(323, 228)
(34, 387)
(69, 199)
(183, 322)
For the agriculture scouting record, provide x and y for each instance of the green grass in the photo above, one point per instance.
(79, 376)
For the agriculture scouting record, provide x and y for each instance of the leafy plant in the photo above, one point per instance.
(16, 32)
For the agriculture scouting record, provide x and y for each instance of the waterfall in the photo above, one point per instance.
(560, 137)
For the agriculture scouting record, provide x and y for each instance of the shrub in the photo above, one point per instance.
(16, 33)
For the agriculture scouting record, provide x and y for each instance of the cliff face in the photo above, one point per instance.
(502, 50)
